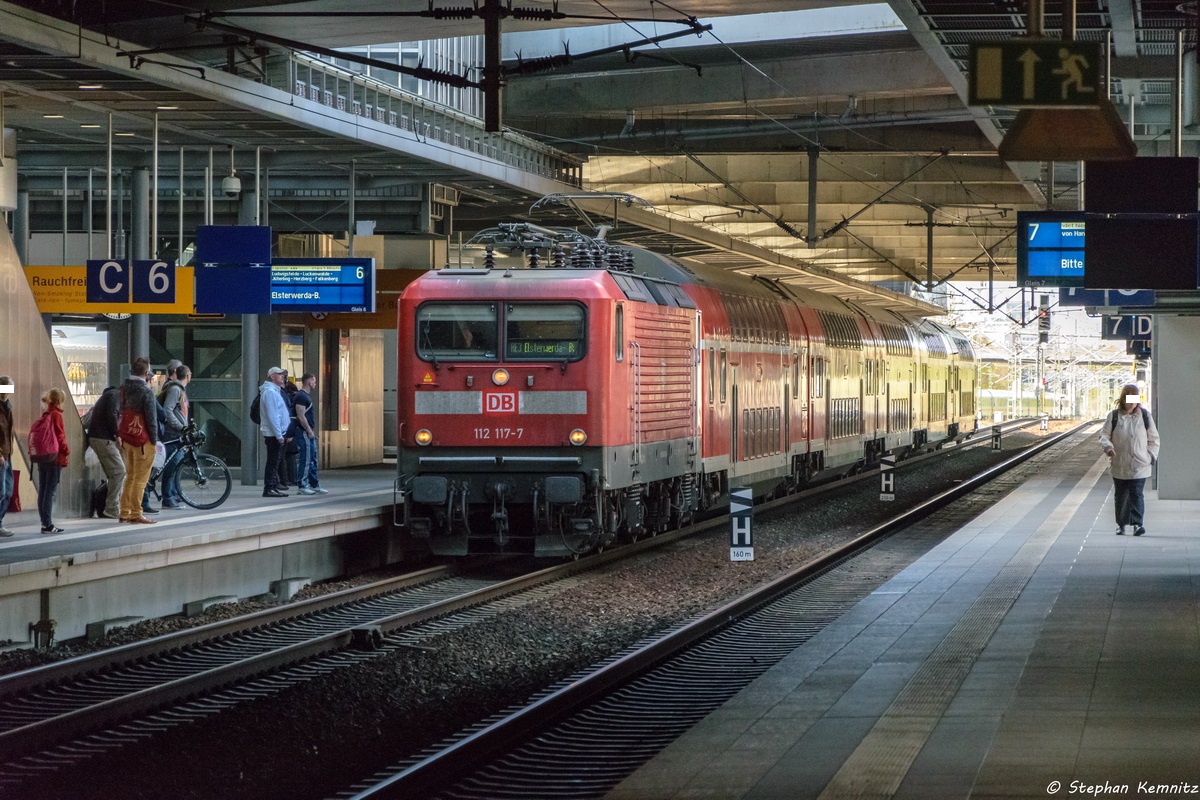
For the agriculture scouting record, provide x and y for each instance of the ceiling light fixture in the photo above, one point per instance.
(88, 86)
(126, 133)
(52, 116)
(168, 108)
(89, 125)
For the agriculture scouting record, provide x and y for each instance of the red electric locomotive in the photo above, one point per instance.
(567, 393)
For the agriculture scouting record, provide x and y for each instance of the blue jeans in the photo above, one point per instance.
(6, 487)
(169, 488)
(48, 477)
(1130, 501)
(308, 462)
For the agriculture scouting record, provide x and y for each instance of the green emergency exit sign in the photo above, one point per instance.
(1035, 74)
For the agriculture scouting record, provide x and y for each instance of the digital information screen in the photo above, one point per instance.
(1050, 248)
(323, 285)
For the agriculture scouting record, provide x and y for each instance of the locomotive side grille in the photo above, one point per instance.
(665, 393)
(966, 404)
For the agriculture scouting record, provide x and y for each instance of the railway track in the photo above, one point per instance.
(59, 714)
(583, 736)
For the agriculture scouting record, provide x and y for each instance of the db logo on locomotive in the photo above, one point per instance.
(500, 402)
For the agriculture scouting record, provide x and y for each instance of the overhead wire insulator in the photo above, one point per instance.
(534, 259)
(489, 257)
(536, 14)
(451, 13)
(556, 257)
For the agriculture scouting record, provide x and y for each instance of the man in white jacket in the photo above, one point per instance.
(274, 422)
(1130, 438)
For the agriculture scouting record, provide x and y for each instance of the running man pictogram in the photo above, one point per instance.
(1072, 66)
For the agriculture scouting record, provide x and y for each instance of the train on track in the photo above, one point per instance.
(568, 392)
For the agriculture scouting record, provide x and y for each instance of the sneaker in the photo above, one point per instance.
(319, 490)
(174, 505)
(1140, 530)
(275, 493)
(52, 529)
(1120, 530)
(146, 510)
(5, 532)
(307, 490)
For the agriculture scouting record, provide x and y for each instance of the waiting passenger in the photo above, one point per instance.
(274, 423)
(138, 431)
(50, 459)
(102, 438)
(1130, 438)
(6, 451)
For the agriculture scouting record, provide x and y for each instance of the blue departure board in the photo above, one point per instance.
(323, 285)
(1050, 248)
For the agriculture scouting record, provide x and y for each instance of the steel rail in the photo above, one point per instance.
(437, 771)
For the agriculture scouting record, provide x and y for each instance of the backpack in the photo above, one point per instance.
(1145, 418)
(256, 409)
(86, 421)
(43, 441)
(132, 428)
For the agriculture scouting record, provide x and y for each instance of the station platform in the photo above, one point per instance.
(1032, 654)
(101, 569)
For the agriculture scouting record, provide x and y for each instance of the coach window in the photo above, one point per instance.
(457, 332)
(544, 332)
(795, 376)
(817, 381)
(619, 344)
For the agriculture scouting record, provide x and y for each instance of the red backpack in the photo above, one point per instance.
(43, 441)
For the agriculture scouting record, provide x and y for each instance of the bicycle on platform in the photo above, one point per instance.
(201, 479)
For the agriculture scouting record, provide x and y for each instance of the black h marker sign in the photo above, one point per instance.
(996, 437)
(741, 509)
(887, 478)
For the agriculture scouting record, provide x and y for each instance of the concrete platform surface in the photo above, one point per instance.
(1033, 654)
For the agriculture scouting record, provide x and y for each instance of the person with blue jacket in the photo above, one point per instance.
(274, 422)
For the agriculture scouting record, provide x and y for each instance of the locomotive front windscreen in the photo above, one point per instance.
(457, 331)
(470, 332)
(539, 331)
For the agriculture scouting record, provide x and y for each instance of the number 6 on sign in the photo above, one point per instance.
(154, 281)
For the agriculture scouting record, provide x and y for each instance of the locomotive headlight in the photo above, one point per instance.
(578, 437)
(500, 377)
(423, 437)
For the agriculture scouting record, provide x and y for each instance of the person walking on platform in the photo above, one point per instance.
(50, 457)
(1130, 438)
(138, 431)
(6, 451)
(176, 407)
(306, 420)
(274, 422)
(102, 438)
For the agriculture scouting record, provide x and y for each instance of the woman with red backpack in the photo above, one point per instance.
(48, 449)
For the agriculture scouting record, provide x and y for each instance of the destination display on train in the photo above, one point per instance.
(323, 285)
(1050, 248)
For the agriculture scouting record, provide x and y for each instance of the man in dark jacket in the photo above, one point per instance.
(175, 408)
(102, 438)
(138, 431)
(6, 450)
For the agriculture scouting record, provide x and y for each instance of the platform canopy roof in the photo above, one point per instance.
(718, 130)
